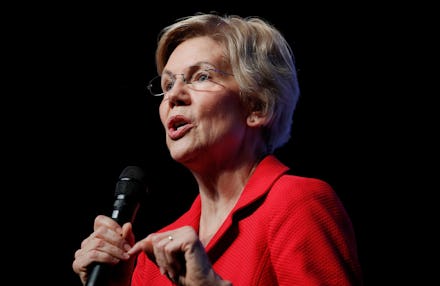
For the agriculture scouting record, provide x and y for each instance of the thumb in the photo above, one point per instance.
(127, 233)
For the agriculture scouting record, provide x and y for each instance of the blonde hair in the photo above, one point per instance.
(261, 60)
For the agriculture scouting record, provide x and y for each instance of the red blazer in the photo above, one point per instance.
(284, 230)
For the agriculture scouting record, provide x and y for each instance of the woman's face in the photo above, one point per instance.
(203, 120)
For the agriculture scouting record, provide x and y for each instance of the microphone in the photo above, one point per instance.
(129, 190)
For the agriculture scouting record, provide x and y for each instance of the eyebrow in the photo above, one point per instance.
(198, 64)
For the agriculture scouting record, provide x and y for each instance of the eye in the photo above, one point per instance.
(201, 76)
(167, 84)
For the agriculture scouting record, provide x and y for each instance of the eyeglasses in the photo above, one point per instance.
(199, 77)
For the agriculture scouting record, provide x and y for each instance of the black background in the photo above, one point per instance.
(81, 114)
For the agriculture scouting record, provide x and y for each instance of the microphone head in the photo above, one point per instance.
(132, 181)
(129, 192)
(133, 172)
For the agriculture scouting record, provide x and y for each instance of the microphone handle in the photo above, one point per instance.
(98, 276)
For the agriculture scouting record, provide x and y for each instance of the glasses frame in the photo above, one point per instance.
(174, 77)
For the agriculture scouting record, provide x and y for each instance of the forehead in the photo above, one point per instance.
(194, 51)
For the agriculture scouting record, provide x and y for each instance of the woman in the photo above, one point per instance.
(229, 90)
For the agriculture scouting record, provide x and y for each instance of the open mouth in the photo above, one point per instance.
(178, 126)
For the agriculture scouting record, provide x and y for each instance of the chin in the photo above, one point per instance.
(178, 154)
(184, 156)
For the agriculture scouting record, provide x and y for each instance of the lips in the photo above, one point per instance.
(178, 126)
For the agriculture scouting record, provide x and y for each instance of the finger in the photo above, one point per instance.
(106, 221)
(99, 249)
(84, 260)
(145, 245)
(159, 243)
(111, 236)
(168, 254)
(172, 255)
(172, 278)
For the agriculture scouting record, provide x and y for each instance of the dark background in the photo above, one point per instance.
(81, 114)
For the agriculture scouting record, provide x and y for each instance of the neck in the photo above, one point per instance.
(219, 194)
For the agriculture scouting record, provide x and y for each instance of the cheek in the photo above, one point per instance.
(229, 110)
(162, 113)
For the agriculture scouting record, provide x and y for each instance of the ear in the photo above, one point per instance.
(256, 119)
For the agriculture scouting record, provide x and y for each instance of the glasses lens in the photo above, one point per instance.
(154, 86)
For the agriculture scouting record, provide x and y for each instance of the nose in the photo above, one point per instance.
(175, 82)
(178, 95)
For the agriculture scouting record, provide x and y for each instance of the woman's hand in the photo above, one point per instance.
(108, 244)
(181, 256)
